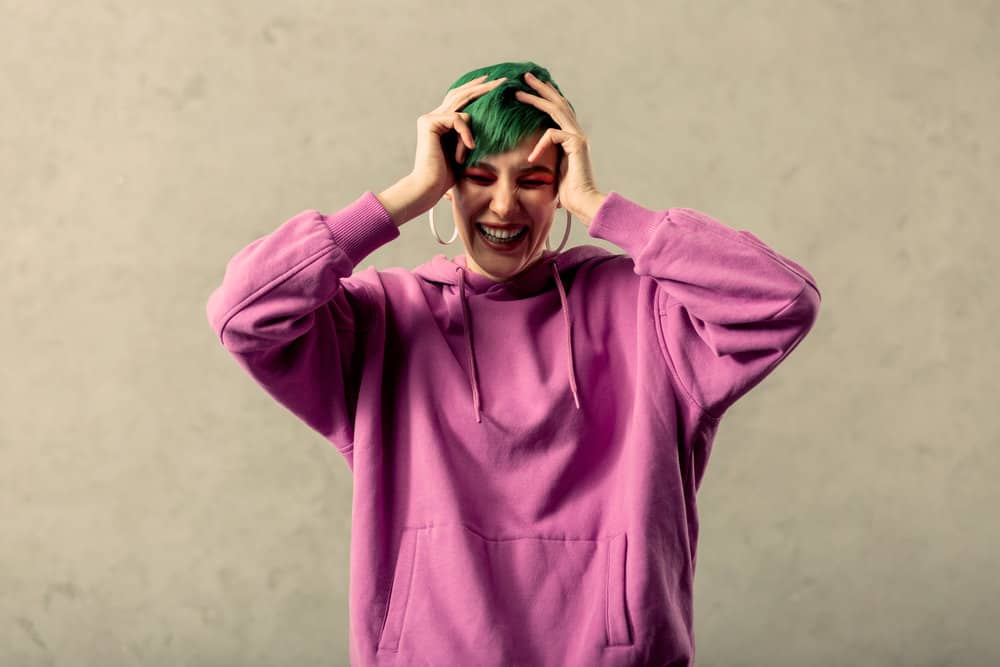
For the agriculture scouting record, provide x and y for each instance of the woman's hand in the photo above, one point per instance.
(577, 191)
(431, 171)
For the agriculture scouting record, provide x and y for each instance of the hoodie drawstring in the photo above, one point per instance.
(569, 334)
(474, 380)
(468, 345)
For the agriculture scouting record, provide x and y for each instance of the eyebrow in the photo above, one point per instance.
(533, 167)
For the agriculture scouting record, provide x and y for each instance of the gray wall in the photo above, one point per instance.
(158, 508)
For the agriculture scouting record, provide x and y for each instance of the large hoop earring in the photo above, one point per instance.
(569, 222)
(430, 215)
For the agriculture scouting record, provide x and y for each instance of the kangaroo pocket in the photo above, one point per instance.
(459, 597)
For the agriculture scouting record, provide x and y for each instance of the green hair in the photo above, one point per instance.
(499, 121)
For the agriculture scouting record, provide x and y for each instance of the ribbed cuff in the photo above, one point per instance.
(361, 227)
(624, 223)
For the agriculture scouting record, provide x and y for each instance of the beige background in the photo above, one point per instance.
(158, 508)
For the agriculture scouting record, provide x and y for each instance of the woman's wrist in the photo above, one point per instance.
(403, 200)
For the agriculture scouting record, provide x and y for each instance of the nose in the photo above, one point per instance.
(504, 202)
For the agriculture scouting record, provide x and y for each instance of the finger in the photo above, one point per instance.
(547, 93)
(537, 100)
(468, 95)
(552, 137)
(544, 88)
(461, 125)
(558, 111)
(473, 88)
(540, 146)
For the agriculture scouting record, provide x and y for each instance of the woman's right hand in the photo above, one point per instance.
(431, 170)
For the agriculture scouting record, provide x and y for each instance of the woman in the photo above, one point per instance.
(527, 428)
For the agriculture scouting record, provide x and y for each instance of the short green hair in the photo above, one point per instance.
(499, 120)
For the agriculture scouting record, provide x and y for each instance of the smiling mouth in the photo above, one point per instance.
(502, 235)
(491, 227)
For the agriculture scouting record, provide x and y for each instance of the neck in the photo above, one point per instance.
(475, 268)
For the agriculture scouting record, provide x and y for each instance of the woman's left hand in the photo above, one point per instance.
(577, 191)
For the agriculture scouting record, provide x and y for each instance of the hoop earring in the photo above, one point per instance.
(569, 222)
(430, 215)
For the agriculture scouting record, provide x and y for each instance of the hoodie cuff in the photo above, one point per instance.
(624, 222)
(361, 227)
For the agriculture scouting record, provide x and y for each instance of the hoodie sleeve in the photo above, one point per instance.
(287, 315)
(729, 308)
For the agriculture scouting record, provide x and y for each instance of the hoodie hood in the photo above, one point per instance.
(551, 272)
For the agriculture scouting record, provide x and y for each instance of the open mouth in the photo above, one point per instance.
(502, 240)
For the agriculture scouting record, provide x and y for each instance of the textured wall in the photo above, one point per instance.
(159, 509)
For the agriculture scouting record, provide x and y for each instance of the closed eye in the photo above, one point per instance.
(483, 180)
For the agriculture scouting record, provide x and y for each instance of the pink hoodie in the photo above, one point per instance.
(525, 453)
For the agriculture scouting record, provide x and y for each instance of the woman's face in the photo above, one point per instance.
(507, 192)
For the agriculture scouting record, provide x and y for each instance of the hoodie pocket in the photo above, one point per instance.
(458, 596)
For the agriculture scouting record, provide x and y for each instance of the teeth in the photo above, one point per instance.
(500, 233)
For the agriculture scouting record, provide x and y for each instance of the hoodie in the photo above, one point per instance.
(526, 453)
